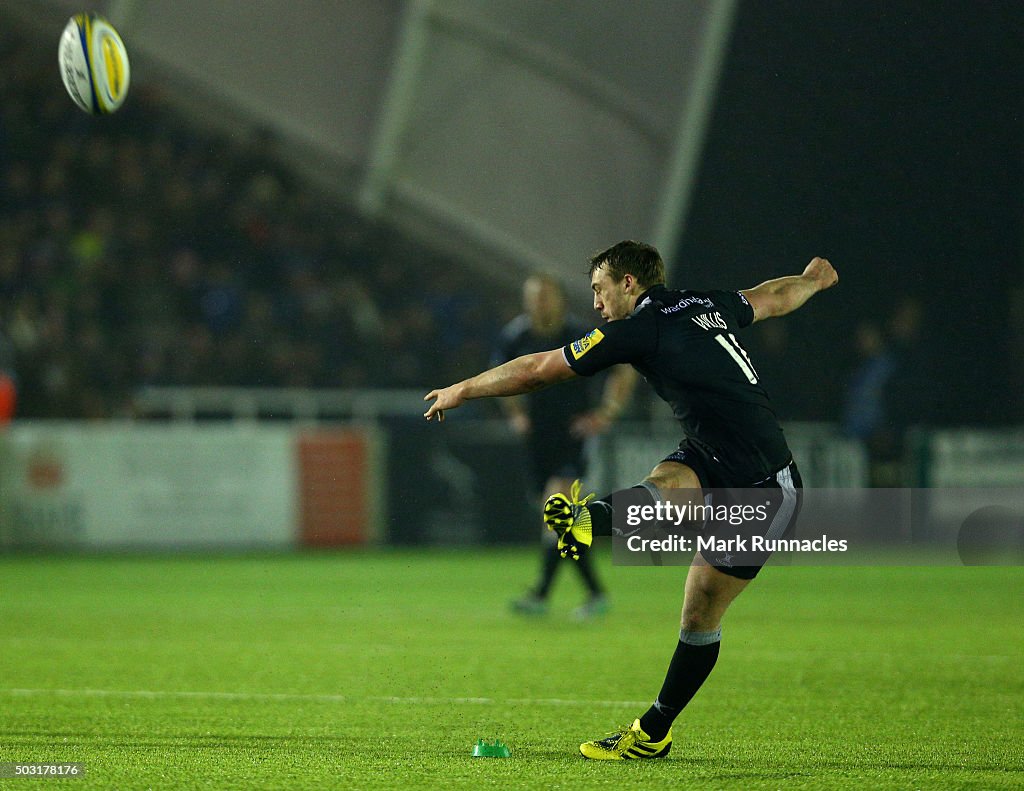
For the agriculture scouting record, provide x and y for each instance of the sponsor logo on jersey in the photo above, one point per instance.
(685, 302)
(586, 343)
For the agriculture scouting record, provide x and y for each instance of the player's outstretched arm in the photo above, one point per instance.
(521, 375)
(785, 294)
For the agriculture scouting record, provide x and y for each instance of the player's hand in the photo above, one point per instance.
(822, 273)
(446, 398)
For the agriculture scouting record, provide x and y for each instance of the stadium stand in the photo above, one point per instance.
(137, 250)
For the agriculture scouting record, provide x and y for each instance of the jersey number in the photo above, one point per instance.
(739, 354)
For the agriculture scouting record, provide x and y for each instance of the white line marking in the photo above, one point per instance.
(284, 696)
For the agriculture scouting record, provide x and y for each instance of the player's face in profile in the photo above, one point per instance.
(610, 298)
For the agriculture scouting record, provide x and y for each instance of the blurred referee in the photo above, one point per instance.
(685, 345)
(554, 425)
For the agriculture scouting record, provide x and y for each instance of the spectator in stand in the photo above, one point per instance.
(866, 414)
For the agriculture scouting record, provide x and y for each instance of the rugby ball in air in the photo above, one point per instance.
(94, 64)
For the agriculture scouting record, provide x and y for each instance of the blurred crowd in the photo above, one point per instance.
(136, 250)
(890, 390)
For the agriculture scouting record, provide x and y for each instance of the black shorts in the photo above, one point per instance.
(782, 497)
(554, 457)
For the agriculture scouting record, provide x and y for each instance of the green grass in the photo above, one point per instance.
(381, 670)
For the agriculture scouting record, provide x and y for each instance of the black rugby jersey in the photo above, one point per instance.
(551, 410)
(684, 343)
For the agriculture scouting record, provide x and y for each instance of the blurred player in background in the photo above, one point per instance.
(684, 343)
(554, 425)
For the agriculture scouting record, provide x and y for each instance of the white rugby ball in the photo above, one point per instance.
(94, 64)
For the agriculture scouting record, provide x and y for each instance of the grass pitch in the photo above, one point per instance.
(382, 669)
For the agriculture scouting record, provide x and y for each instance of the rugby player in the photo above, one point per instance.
(684, 343)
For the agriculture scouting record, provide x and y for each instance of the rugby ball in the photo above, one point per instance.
(94, 64)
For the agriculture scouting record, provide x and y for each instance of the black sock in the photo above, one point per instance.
(601, 510)
(550, 562)
(586, 569)
(691, 664)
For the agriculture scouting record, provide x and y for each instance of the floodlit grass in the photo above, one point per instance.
(382, 669)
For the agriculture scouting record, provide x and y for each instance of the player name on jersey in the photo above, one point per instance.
(708, 321)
